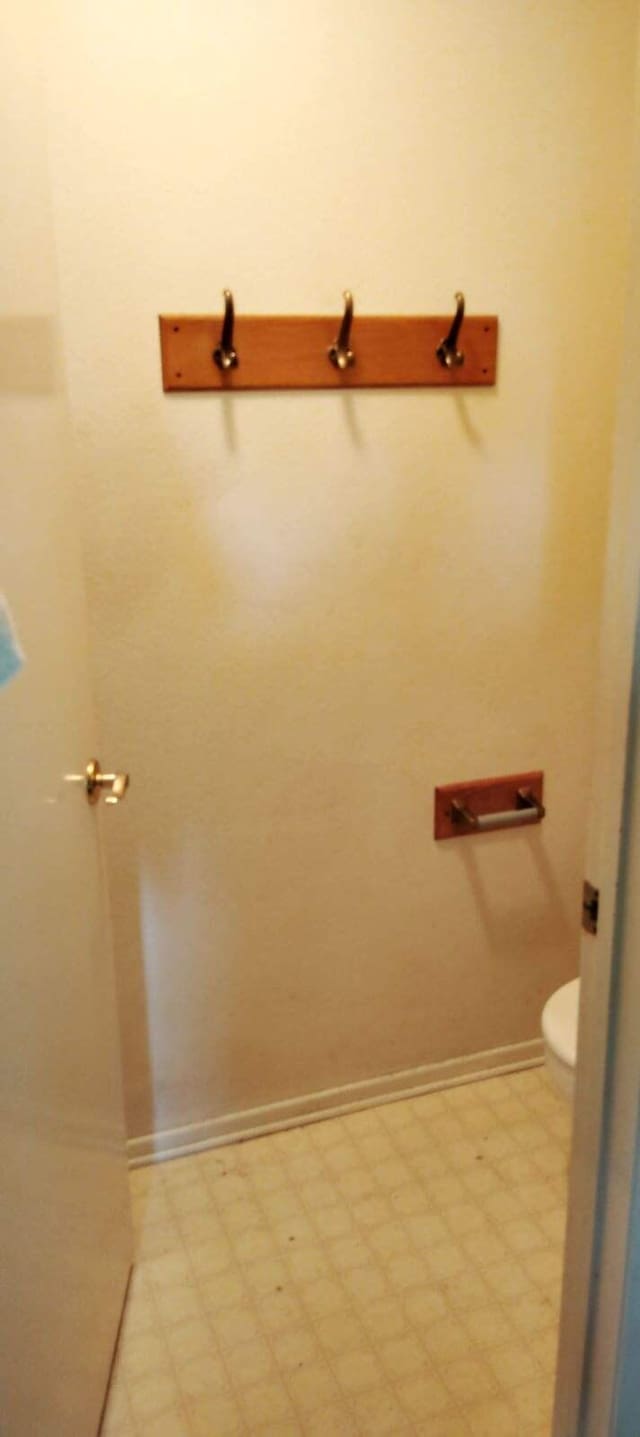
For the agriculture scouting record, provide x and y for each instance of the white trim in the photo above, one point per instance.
(332, 1102)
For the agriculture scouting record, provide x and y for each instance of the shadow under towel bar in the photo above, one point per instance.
(486, 804)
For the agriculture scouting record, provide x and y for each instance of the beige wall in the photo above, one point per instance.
(309, 609)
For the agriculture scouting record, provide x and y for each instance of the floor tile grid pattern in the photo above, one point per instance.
(393, 1271)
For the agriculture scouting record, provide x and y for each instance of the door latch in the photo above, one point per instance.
(590, 907)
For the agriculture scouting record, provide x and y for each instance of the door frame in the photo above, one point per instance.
(603, 1223)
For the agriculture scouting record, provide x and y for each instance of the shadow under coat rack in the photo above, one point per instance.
(318, 352)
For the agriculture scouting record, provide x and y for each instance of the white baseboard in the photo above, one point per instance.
(312, 1107)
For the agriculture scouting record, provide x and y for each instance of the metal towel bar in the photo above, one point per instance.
(527, 810)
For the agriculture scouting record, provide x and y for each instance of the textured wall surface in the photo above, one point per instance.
(309, 609)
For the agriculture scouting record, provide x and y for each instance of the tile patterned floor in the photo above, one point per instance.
(395, 1271)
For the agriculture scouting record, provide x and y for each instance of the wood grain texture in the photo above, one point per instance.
(482, 796)
(290, 352)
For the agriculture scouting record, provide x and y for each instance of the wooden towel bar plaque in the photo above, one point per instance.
(461, 809)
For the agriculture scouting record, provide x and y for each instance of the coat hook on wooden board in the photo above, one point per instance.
(224, 354)
(339, 353)
(447, 352)
(285, 351)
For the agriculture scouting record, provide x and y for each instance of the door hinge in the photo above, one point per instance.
(590, 907)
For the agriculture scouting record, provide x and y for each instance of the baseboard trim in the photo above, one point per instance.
(332, 1102)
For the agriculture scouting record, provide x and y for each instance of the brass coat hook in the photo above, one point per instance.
(224, 354)
(339, 353)
(448, 353)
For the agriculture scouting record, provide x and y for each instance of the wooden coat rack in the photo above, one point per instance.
(305, 352)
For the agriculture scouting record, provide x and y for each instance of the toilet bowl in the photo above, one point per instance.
(560, 1036)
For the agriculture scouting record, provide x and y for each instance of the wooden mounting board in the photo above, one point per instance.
(290, 352)
(483, 796)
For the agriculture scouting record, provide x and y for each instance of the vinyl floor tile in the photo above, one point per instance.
(392, 1272)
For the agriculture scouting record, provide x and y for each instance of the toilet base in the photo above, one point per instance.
(561, 1075)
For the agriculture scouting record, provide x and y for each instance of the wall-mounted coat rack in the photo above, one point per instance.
(322, 352)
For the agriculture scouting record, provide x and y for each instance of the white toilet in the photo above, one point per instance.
(560, 1035)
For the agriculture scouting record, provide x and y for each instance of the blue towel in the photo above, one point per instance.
(11, 655)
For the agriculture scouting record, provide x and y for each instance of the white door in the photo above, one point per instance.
(64, 1218)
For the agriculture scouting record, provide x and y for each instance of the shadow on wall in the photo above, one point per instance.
(499, 922)
(29, 354)
(577, 464)
(131, 962)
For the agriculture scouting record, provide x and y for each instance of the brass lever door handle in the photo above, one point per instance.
(115, 785)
